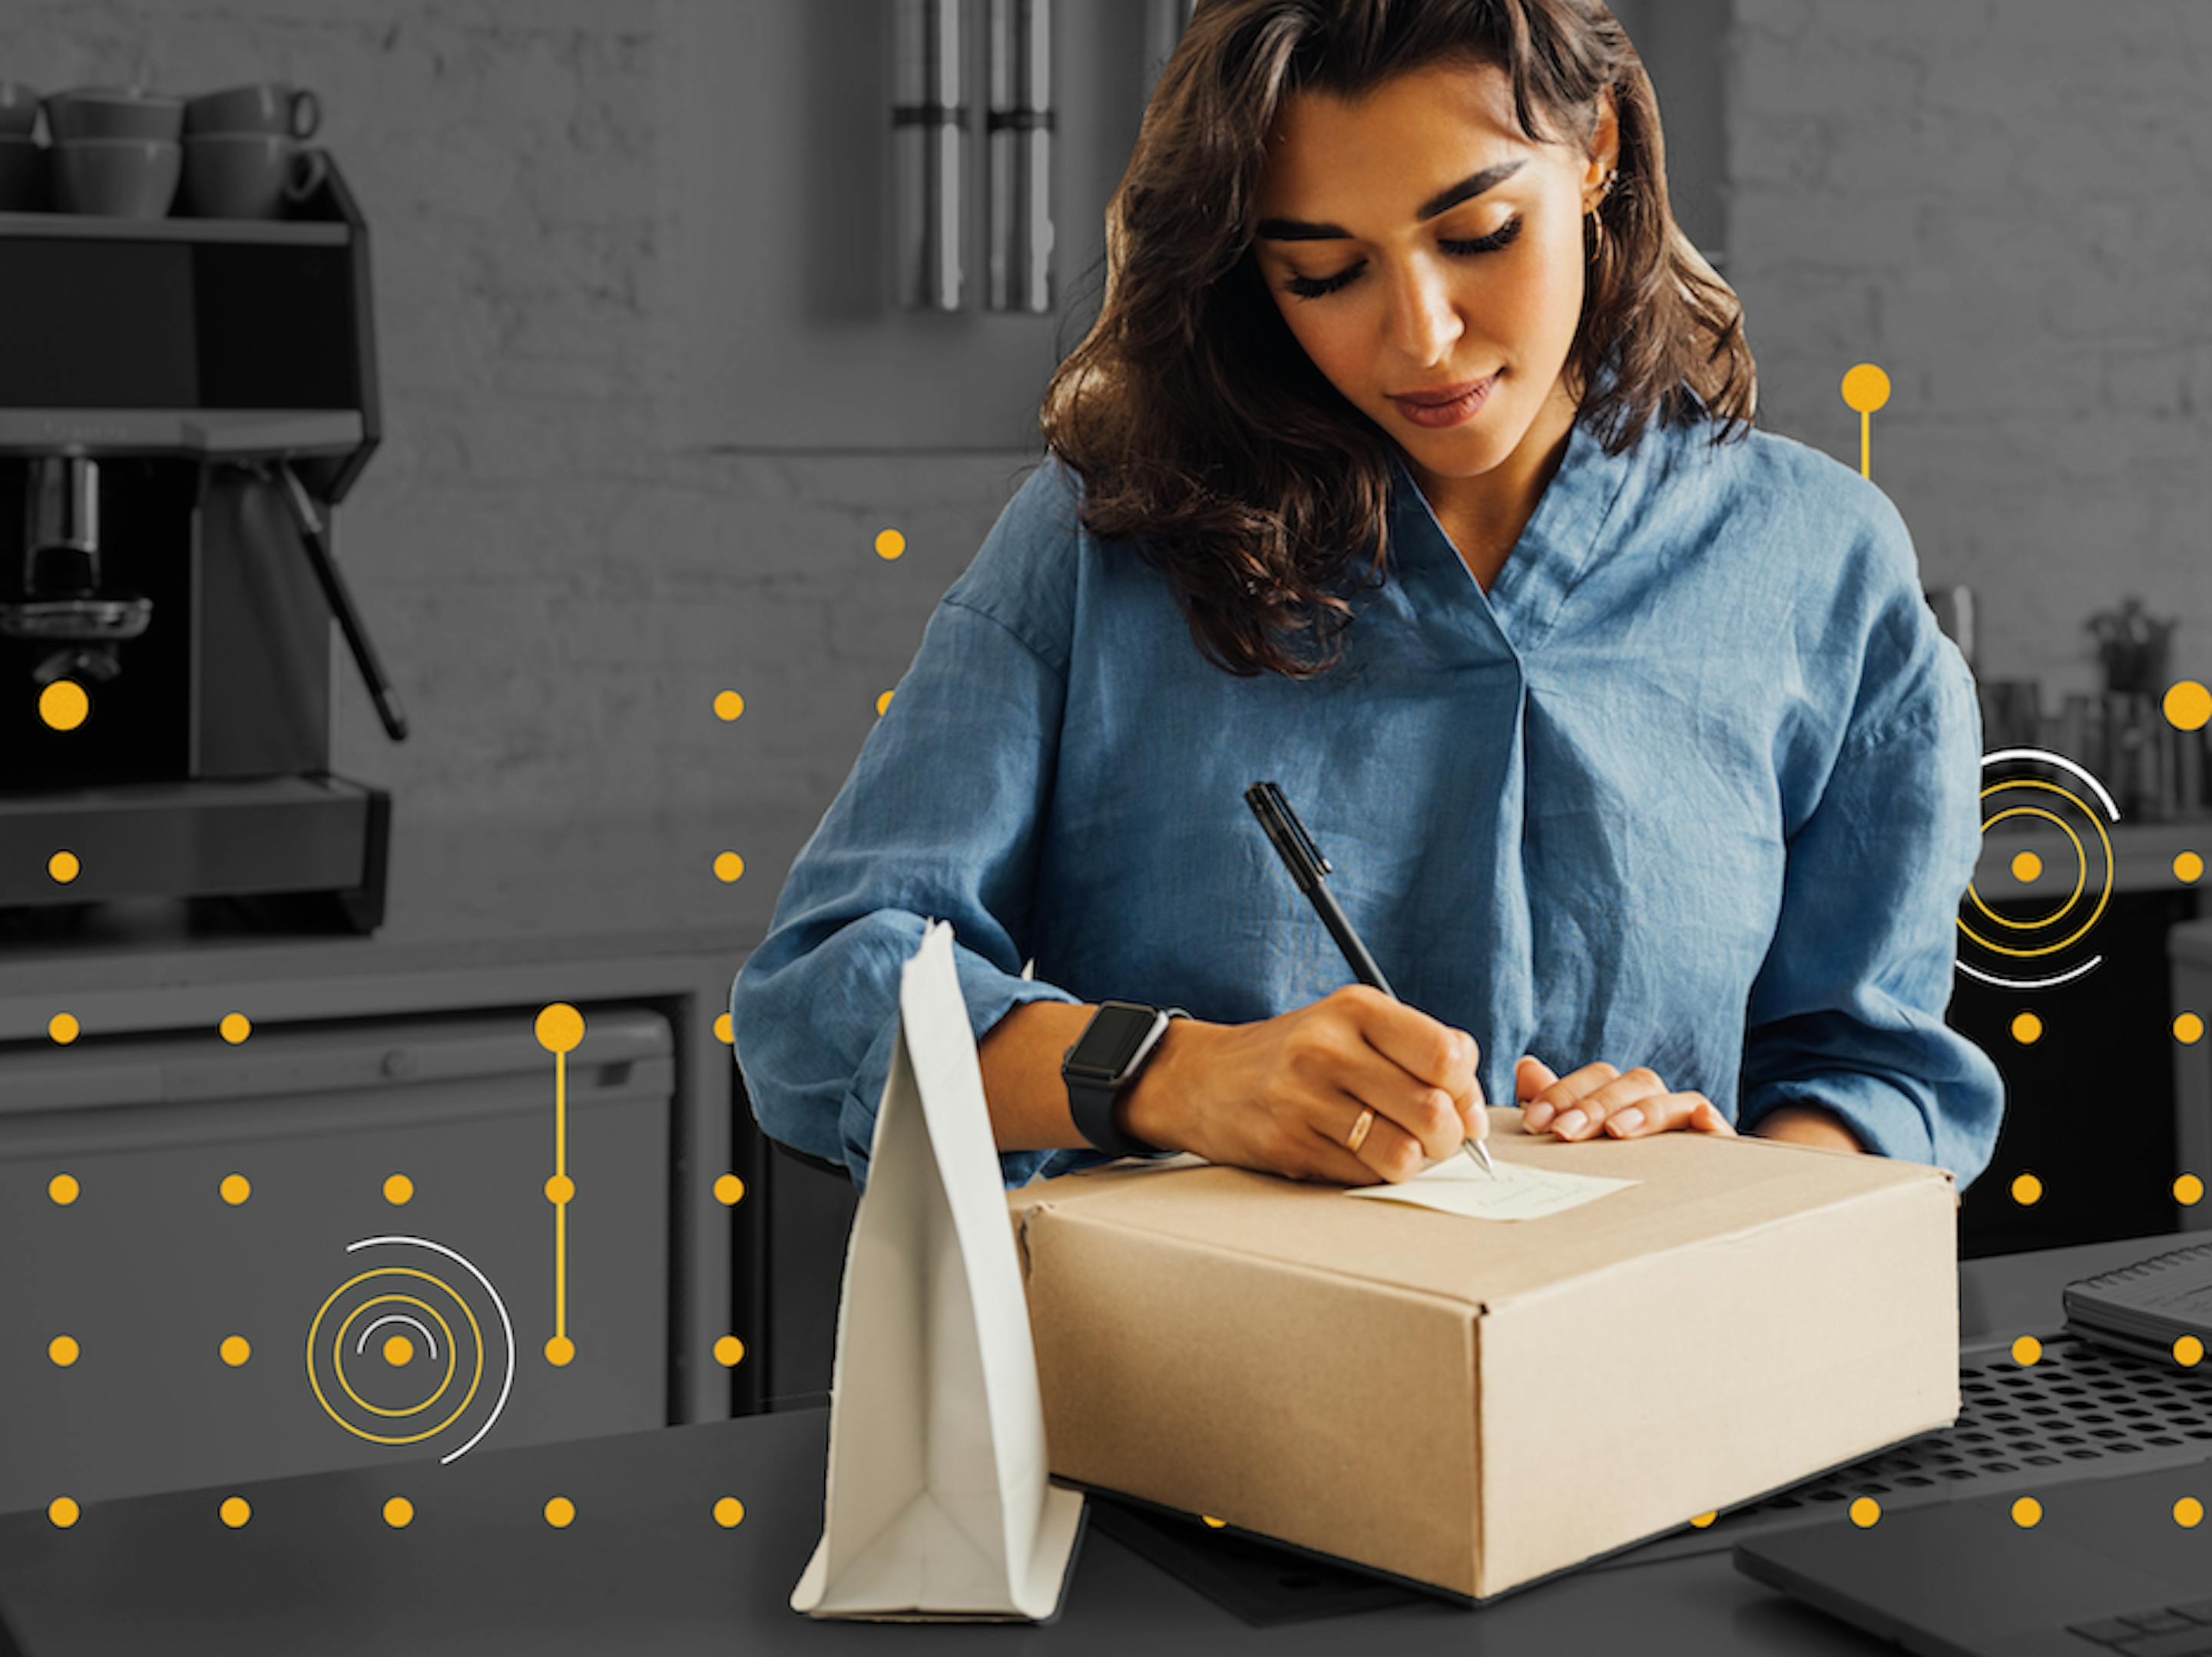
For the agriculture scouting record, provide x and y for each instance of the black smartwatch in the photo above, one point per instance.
(1105, 1060)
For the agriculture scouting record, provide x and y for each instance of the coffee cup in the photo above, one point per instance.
(113, 112)
(269, 107)
(119, 178)
(22, 174)
(248, 175)
(19, 110)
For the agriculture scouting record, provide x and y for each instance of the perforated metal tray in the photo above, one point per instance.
(2076, 1411)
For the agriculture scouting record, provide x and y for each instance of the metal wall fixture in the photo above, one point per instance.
(929, 153)
(1020, 126)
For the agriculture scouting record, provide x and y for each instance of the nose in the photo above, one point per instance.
(1422, 324)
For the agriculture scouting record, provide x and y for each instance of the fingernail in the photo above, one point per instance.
(1538, 1115)
(1571, 1124)
(1625, 1122)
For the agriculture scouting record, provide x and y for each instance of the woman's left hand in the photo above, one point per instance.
(1599, 1099)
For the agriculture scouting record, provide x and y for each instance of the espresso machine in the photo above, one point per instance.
(184, 404)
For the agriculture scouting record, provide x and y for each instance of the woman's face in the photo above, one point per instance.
(1449, 247)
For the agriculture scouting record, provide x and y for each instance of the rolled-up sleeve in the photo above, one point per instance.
(1847, 1011)
(938, 819)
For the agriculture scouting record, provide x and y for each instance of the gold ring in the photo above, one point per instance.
(1358, 1134)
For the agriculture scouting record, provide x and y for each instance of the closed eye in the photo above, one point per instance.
(1316, 287)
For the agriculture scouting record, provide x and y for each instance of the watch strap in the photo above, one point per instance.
(1091, 1104)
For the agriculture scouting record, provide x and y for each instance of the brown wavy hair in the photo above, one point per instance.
(1203, 432)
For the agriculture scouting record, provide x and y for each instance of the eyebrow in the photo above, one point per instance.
(1442, 202)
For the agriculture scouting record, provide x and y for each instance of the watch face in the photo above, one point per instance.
(1112, 1040)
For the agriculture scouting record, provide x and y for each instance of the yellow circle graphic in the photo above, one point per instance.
(560, 1189)
(2104, 894)
(2081, 869)
(2189, 1351)
(63, 1350)
(2025, 866)
(2026, 1350)
(889, 543)
(559, 1513)
(63, 1189)
(235, 1027)
(63, 1028)
(728, 1189)
(2026, 1512)
(722, 1032)
(236, 1188)
(2027, 1189)
(235, 1350)
(728, 867)
(729, 705)
(338, 1348)
(63, 705)
(1866, 389)
(560, 1351)
(235, 1511)
(1864, 1511)
(2188, 1190)
(884, 703)
(560, 1027)
(2188, 1030)
(63, 1512)
(399, 1190)
(2188, 705)
(2026, 1028)
(400, 1513)
(2188, 868)
(63, 867)
(1704, 1519)
(729, 1351)
(728, 1512)
(397, 1357)
(2189, 1512)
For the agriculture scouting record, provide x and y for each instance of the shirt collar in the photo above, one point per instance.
(1555, 546)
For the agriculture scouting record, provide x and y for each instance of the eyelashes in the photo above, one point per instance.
(1316, 287)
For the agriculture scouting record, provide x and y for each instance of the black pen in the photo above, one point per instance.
(1307, 866)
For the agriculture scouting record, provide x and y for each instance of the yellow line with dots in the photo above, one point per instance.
(560, 1030)
(1866, 388)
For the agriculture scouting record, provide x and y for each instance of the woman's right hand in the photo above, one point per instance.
(1283, 1095)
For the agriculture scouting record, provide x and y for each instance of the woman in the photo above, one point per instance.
(1625, 726)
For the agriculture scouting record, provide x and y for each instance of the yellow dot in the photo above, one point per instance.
(2189, 1512)
(398, 1351)
(1866, 388)
(728, 1511)
(2026, 1512)
(2027, 1189)
(728, 1189)
(722, 1029)
(729, 705)
(560, 1027)
(63, 1512)
(1217, 1524)
(2025, 866)
(728, 867)
(235, 1027)
(559, 1513)
(889, 543)
(63, 1028)
(63, 1350)
(2189, 1351)
(2188, 1190)
(400, 1513)
(235, 1511)
(560, 1351)
(236, 1188)
(2026, 1350)
(64, 867)
(2188, 705)
(2188, 868)
(2026, 1028)
(728, 1350)
(884, 702)
(399, 1190)
(63, 705)
(2188, 1030)
(1704, 1518)
(560, 1189)
(235, 1350)
(1864, 1511)
(63, 1189)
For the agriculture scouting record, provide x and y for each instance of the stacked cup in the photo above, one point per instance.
(22, 162)
(242, 154)
(114, 151)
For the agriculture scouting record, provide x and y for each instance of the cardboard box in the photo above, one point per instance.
(1473, 1404)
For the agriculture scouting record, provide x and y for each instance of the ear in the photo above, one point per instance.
(1605, 143)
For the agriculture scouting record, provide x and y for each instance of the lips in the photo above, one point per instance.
(1438, 396)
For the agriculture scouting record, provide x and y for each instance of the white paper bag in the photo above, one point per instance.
(937, 1506)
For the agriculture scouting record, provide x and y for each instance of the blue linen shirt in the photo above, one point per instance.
(1694, 785)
